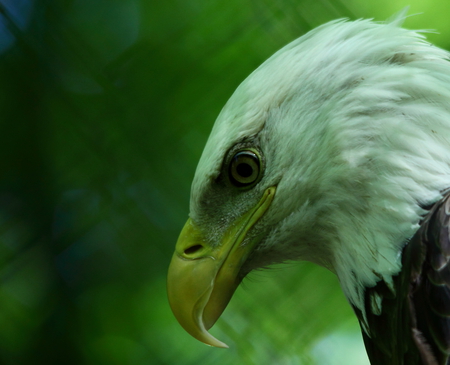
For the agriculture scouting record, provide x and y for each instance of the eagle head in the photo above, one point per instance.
(325, 153)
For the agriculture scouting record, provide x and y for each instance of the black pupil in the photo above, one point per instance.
(244, 169)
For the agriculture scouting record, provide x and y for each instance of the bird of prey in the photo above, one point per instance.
(336, 150)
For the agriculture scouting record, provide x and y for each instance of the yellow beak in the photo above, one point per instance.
(202, 278)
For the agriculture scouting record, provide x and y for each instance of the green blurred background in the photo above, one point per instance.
(105, 108)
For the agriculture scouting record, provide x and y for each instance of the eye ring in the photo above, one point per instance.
(244, 168)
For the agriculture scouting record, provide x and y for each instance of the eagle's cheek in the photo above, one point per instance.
(202, 278)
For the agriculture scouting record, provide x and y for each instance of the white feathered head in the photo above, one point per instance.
(324, 153)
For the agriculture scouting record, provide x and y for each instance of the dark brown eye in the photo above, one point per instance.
(244, 168)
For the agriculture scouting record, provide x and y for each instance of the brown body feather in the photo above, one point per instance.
(412, 326)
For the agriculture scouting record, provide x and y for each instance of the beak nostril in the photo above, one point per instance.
(193, 249)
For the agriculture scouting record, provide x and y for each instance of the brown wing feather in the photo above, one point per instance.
(434, 294)
(413, 325)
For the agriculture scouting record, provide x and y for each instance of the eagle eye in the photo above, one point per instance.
(244, 168)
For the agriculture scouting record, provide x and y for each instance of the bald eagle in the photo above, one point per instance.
(336, 150)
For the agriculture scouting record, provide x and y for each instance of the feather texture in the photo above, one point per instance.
(353, 124)
(413, 325)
